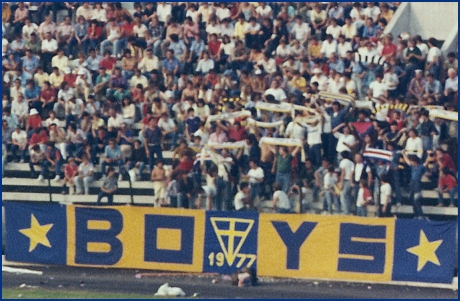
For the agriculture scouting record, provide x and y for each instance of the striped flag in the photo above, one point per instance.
(379, 154)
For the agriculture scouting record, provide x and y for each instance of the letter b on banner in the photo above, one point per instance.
(95, 238)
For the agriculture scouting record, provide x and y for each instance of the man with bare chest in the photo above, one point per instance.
(158, 177)
(266, 161)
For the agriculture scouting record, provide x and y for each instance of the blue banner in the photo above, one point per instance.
(230, 241)
(424, 251)
(36, 232)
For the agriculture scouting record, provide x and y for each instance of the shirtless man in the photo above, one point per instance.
(266, 161)
(158, 177)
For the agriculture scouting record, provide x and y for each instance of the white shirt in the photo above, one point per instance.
(314, 134)
(238, 202)
(301, 32)
(205, 66)
(255, 174)
(115, 122)
(65, 95)
(20, 137)
(423, 49)
(377, 88)
(348, 139)
(347, 167)
(140, 30)
(295, 131)
(264, 12)
(360, 199)
(75, 108)
(283, 52)
(391, 81)
(167, 125)
(222, 13)
(283, 200)
(343, 48)
(451, 84)
(328, 48)
(321, 80)
(84, 170)
(385, 191)
(278, 93)
(334, 31)
(210, 29)
(19, 109)
(50, 46)
(193, 15)
(249, 27)
(373, 12)
(100, 15)
(269, 66)
(27, 30)
(414, 146)
(349, 31)
(329, 180)
(163, 11)
(433, 55)
(358, 169)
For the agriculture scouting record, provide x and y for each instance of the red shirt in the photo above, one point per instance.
(186, 164)
(214, 47)
(48, 94)
(36, 138)
(97, 32)
(447, 182)
(127, 28)
(34, 121)
(70, 170)
(70, 79)
(389, 49)
(448, 162)
(108, 63)
(238, 135)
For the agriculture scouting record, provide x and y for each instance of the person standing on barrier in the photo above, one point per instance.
(415, 186)
(109, 187)
(152, 137)
(385, 195)
(346, 166)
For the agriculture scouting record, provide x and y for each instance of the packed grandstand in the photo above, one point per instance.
(228, 106)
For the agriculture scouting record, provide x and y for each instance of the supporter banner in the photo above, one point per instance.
(229, 243)
(35, 232)
(136, 237)
(279, 245)
(378, 154)
(344, 99)
(331, 247)
(443, 114)
(424, 251)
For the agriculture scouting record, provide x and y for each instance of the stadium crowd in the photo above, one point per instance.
(130, 85)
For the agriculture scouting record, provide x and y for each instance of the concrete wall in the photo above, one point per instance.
(428, 19)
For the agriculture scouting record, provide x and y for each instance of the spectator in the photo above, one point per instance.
(52, 158)
(109, 187)
(281, 203)
(447, 184)
(242, 201)
(70, 176)
(112, 157)
(158, 177)
(364, 198)
(19, 144)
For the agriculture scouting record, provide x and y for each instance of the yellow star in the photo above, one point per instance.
(37, 234)
(426, 251)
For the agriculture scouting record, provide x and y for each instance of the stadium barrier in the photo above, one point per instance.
(279, 245)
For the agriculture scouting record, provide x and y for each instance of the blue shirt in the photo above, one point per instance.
(178, 48)
(170, 65)
(197, 48)
(32, 93)
(416, 174)
(112, 153)
(128, 134)
(30, 64)
(369, 32)
(193, 124)
(338, 66)
(93, 64)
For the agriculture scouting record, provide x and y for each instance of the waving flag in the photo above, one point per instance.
(379, 154)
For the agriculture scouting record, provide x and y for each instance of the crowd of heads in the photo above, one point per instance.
(87, 79)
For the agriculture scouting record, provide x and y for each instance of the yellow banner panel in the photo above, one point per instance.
(329, 247)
